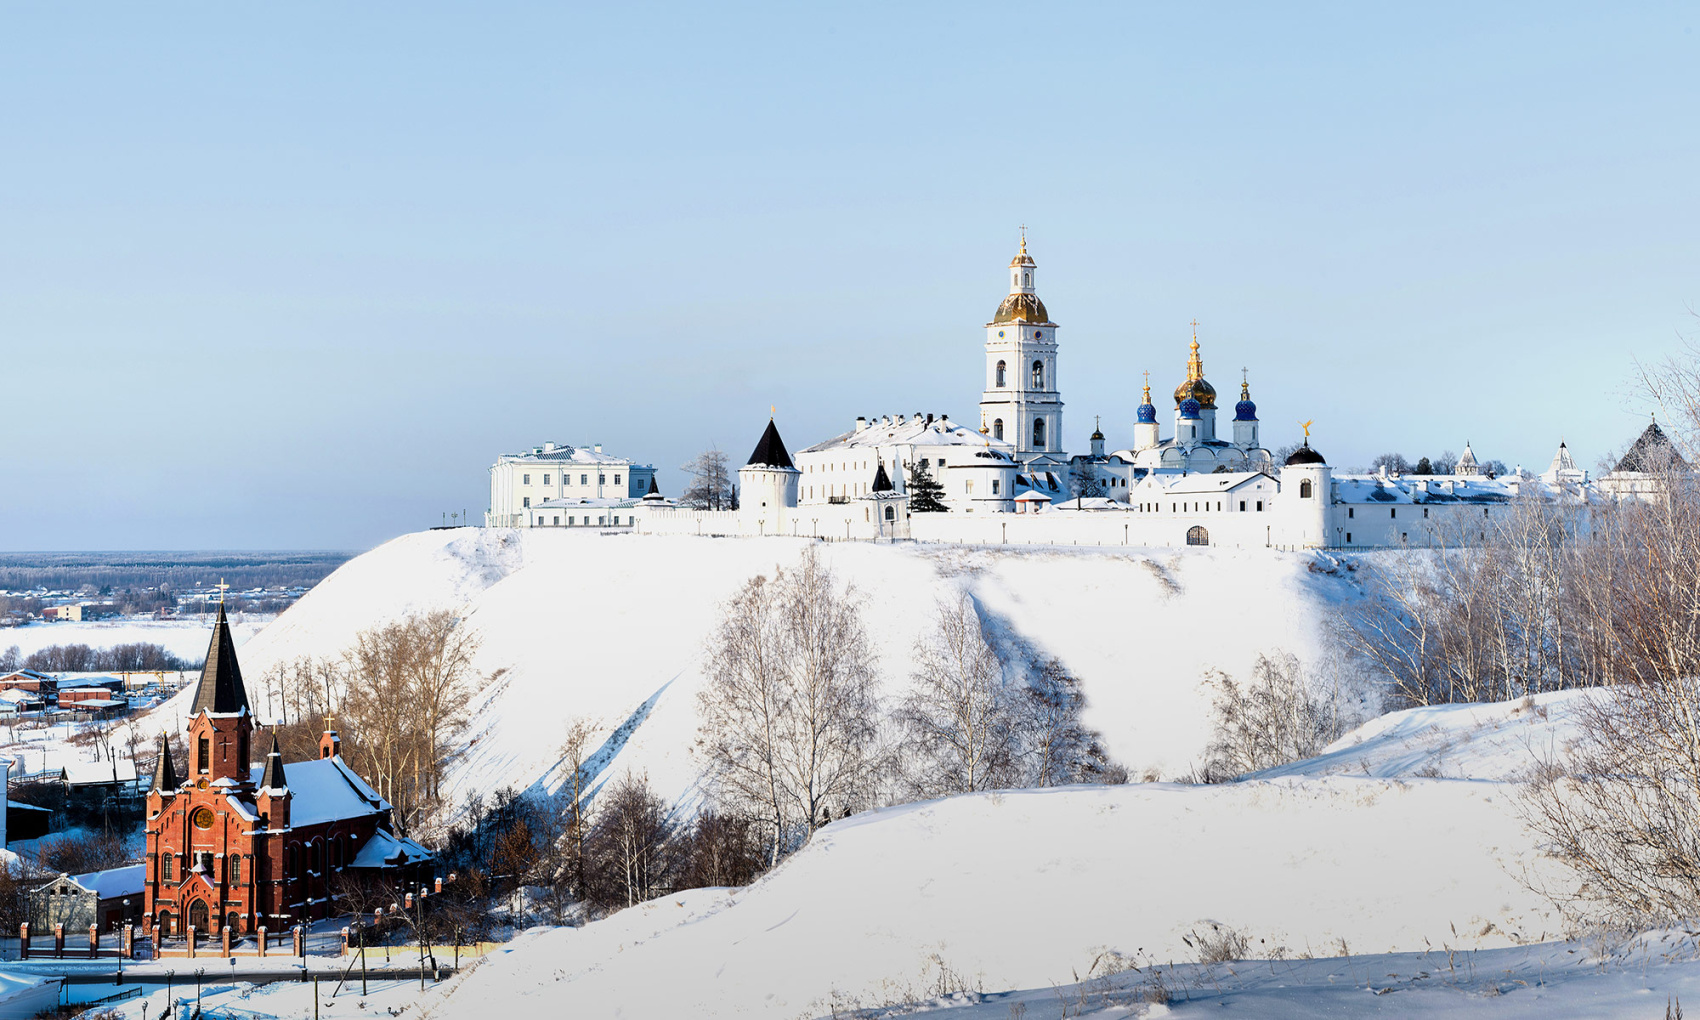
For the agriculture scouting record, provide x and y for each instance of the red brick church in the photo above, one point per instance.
(230, 844)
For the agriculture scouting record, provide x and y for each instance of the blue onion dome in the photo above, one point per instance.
(1147, 414)
(1305, 455)
(1245, 410)
(1189, 409)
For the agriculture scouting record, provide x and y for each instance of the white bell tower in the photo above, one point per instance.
(1021, 404)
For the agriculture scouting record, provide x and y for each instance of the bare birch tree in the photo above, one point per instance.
(790, 713)
(959, 718)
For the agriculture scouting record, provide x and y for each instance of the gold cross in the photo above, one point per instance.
(1195, 329)
(222, 588)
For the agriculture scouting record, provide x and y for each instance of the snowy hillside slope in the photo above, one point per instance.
(612, 628)
(1024, 889)
(1499, 741)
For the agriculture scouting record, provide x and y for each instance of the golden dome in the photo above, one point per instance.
(1195, 386)
(1198, 390)
(1022, 308)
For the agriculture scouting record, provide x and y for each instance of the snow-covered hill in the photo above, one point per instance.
(1030, 888)
(612, 628)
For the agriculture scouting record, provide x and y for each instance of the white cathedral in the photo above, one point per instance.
(1010, 479)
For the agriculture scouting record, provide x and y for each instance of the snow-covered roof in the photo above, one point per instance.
(326, 790)
(90, 681)
(114, 883)
(387, 850)
(1032, 496)
(915, 432)
(1444, 489)
(94, 773)
(16, 696)
(564, 454)
(588, 503)
(23, 674)
(1211, 482)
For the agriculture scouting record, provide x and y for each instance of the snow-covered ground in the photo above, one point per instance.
(184, 638)
(612, 628)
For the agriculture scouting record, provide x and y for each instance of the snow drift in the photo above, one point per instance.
(1022, 889)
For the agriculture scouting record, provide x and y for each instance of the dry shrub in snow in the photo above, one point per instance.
(1273, 718)
(790, 712)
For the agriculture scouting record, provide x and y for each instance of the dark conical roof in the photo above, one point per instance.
(654, 490)
(220, 690)
(882, 481)
(1652, 451)
(164, 775)
(1305, 455)
(272, 777)
(770, 452)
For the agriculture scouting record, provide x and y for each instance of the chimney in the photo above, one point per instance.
(900, 419)
(548, 447)
(598, 447)
(929, 418)
(861, 423)
(945, 418)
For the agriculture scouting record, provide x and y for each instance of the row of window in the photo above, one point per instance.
(335, 848)
(1255, 506)
(208, 861)
(1038, 431)
(574, 522)
(1038, 375)
(601, 479)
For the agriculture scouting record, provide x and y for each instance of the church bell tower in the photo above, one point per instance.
(222, 723)
(1021, 404)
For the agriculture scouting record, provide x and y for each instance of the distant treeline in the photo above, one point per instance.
(83, 659)
(58, 571)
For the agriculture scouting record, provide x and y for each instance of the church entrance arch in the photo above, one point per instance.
(198, 916)
(1196, 535)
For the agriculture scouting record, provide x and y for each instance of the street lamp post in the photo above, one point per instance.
(124, 921)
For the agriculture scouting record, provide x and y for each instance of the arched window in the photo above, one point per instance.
(1038, 433)
(891, 513)
(1304, 489)
(230, 921)
(1001, 382)
(1196, 535)
(165, 863)
(203, 754)
(1027, 279)
(1038, 375)
(997, 426)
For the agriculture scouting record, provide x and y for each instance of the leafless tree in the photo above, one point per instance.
(1273, 718)
(1055, 746)
(790, 713)
(408, 683)
(633, 844)
(712, 485)
(959, 717)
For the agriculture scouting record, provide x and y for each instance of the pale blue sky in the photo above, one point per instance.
(283, 276)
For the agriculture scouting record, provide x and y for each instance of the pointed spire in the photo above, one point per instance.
(882, 481)
(272, 778)
(164, 774)
(220, 690)
(770, 451)
(654, 490)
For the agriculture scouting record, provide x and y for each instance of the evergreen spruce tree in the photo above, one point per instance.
(925, 492)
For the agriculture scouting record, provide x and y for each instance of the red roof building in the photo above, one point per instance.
(245, 846)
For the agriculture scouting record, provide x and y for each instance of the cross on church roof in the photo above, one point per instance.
(222, 588)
